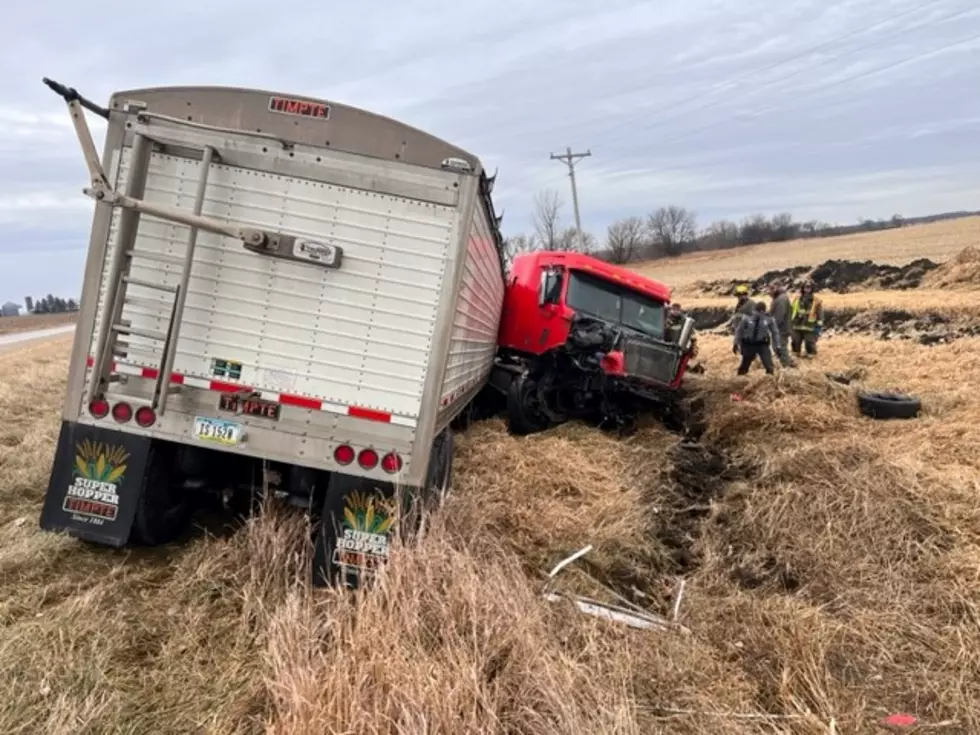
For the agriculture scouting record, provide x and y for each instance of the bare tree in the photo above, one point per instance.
(720, 234)
(756, 229)
(623, 239)
(518, 244)
(547, 219)
(672, 228)
(810, 228)
(568, 240)
(783, 227)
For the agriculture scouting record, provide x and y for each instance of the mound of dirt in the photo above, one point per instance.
(961, 271)
(927, 328)
(840, 276)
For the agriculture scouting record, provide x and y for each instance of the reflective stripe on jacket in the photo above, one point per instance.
(807, 322)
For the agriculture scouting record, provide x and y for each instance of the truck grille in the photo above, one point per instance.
(651, 361)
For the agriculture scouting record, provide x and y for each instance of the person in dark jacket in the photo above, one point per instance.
(779, 310)
(754, 338)
(743, 306)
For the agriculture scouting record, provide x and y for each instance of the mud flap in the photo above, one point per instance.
(95, 483)
(357, 525)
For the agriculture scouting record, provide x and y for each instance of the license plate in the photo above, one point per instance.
(217, 430)
(247, 406)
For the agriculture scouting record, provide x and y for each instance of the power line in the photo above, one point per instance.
(569, 158)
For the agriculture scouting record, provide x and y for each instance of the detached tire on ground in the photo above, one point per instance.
(887, 405)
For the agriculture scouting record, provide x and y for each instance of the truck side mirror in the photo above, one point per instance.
(687, 333)
(549, 288)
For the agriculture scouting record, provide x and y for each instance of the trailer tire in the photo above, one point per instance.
(462, 421)
(440, 474)
(419, 501)
(522, 415)
(888, 405)
(164, 509)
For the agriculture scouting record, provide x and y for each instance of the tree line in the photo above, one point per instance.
(673, 230)
(50, 304)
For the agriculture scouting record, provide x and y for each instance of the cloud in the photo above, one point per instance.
(855, 108)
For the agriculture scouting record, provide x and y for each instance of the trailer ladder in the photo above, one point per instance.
(261, 242)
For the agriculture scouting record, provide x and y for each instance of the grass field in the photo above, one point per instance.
(831, 569)
(30, 322)
(937, 241)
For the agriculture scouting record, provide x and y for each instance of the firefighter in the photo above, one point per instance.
(755, 337)
(779, 309)
(806, 319)
(743, 306)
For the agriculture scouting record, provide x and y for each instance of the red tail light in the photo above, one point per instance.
(145, 416)
(343, 454)
(122, 412)
(99, 407)
(391, 463)
(368, 459)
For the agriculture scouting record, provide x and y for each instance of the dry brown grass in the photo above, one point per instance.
(831, 574)
(938, 241)
(30, 322)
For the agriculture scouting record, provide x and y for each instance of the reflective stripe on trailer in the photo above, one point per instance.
(284, 399)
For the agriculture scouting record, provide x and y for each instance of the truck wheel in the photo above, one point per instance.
(164, 508)
(524, 415)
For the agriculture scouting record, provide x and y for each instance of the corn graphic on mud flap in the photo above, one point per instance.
(95, 484)
(356, 527)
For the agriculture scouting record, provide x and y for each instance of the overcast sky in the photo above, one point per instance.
(829, 110)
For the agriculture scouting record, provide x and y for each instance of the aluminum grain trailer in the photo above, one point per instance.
(276, 287)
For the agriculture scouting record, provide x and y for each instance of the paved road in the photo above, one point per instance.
(8, 340)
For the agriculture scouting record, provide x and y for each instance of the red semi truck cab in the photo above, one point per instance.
(581, 336)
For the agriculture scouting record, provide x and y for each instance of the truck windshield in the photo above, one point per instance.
(616, 305)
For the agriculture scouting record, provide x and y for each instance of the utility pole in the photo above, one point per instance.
(569, 158)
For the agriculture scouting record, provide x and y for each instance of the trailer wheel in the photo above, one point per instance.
(524, 415)
(164, 508)
(463, 419)
(440, 474)
(418, 501)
